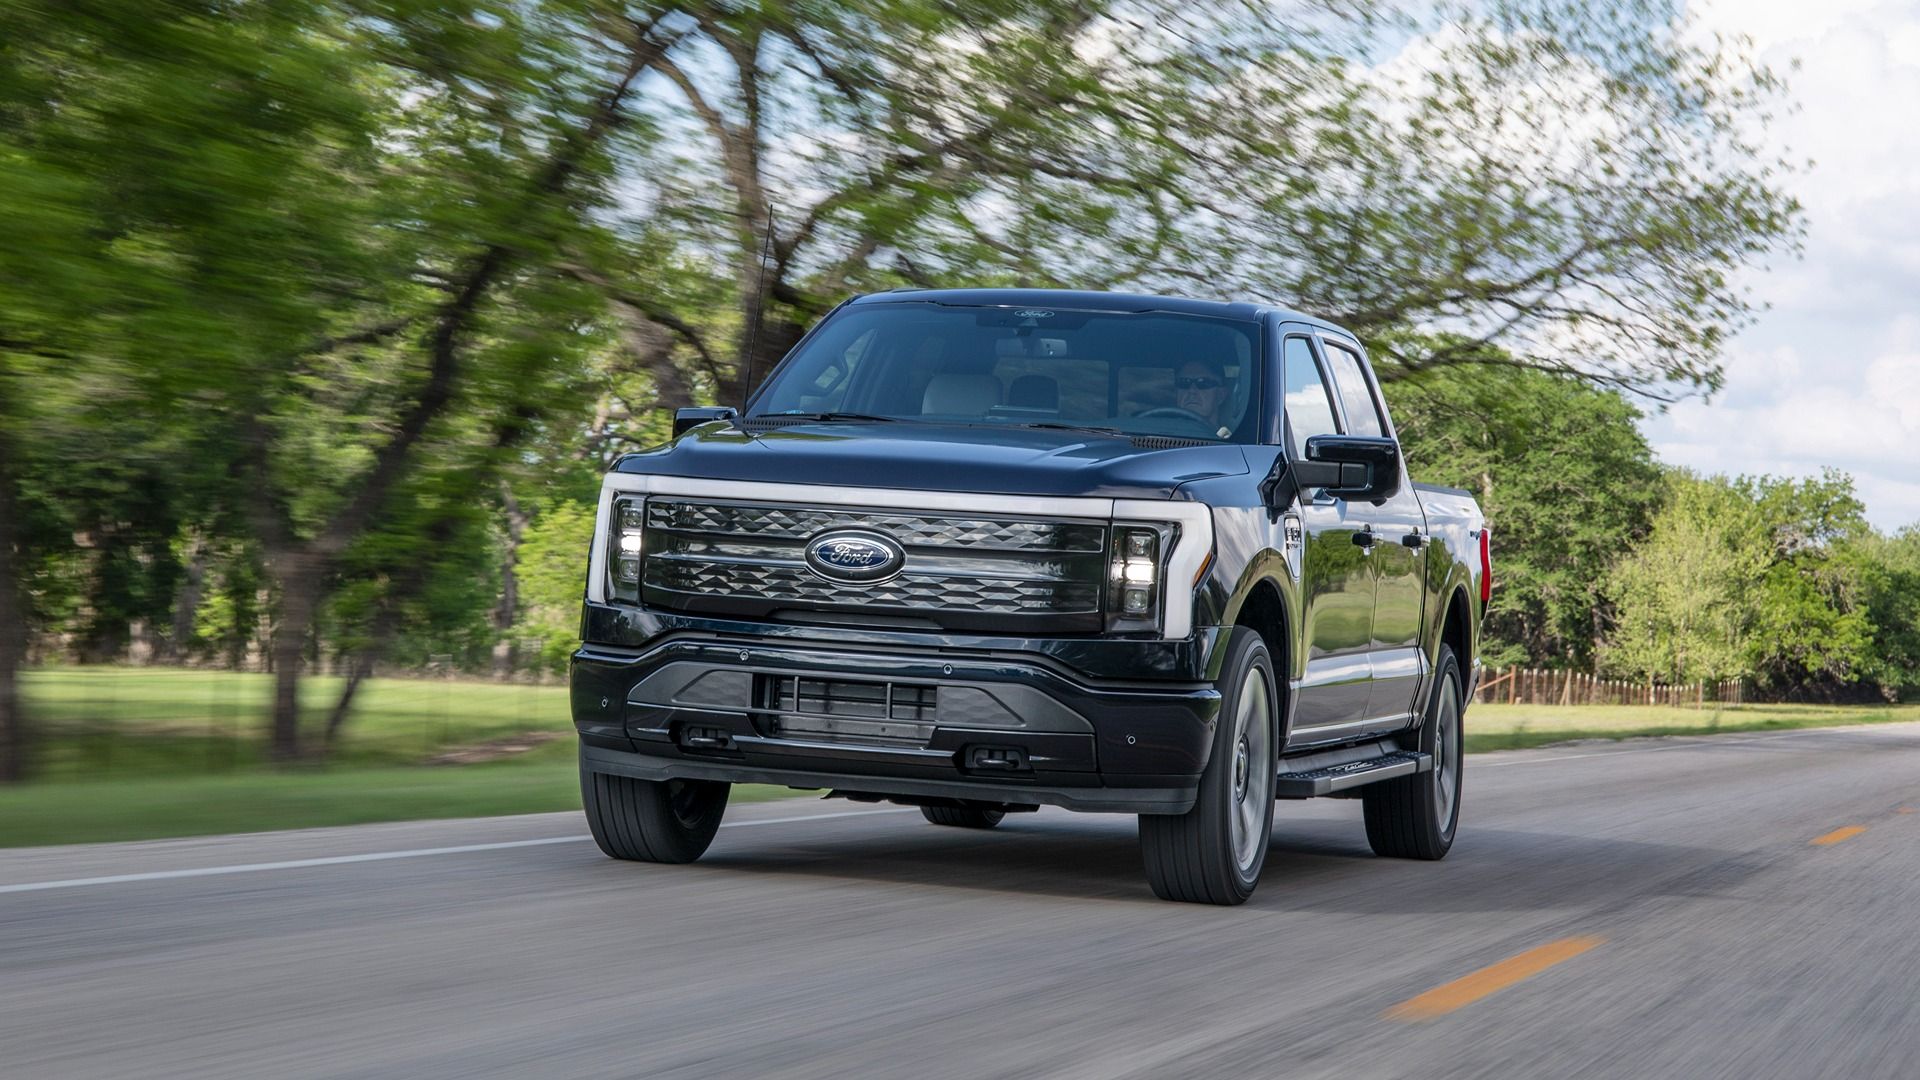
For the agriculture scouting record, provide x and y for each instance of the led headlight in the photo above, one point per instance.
(1134, 592)
(628, 548)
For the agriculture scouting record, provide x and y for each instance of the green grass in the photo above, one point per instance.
(109, 722)
(89, 811)
(145, 753)
(1514, 727)
(142, 753)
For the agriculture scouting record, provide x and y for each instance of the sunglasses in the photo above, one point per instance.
(1202, 382)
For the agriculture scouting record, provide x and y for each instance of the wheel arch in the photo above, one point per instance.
(1263, 608)
(1456, 630)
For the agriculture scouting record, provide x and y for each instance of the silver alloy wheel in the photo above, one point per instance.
(1252, 790)
(1446, 752)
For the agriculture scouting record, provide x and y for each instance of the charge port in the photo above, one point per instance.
(997, 759)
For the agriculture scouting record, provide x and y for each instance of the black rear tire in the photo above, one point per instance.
(1415, 817)
(661, 821)
(963, 817)
(1212, 854)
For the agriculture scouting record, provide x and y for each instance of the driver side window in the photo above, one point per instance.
(1309, 409)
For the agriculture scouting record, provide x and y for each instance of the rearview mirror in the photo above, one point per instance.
(695, 415)
(1354, 467)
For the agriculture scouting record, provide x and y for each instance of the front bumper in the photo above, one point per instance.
(922, 723)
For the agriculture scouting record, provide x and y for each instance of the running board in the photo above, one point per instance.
(1313, 775)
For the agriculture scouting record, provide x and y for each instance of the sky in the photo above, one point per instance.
(1830, 374)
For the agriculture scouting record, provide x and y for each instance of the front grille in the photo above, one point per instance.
(962, 571)
(800, 523)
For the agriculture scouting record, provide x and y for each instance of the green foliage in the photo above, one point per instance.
(1567, 483)
(307, 259)
(1757, 578)
(553, 560)
(1888, 570)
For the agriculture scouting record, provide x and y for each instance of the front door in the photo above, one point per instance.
(1336, 572)
(1398, 559)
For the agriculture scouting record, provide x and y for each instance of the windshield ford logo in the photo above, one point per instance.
(1033, 313)
(855, 558)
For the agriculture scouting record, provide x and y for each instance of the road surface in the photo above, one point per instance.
(1741, 906)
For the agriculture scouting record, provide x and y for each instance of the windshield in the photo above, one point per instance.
(1152, 373)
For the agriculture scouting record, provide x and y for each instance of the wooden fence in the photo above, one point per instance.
(1544, 686)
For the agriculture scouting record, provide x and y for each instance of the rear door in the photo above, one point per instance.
(1397, 555)
(1337, 580)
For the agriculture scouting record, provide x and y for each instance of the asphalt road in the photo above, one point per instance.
(1646, 910)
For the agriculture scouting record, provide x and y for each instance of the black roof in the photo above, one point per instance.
(1088, 299)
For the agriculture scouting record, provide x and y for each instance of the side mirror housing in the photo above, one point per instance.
(1354, 467)
(693, 416)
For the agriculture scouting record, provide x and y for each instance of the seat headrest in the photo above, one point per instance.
(1034, 392)
(960, 394)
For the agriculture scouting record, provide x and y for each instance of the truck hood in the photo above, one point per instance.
(935, 457)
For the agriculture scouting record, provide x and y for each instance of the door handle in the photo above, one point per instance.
(1414, 540)
(1365, 538)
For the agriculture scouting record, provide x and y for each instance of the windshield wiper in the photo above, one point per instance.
(1050, 426)
(828, 417)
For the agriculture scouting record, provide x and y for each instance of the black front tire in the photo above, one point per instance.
(661, 821)
(1213, 853)
(1415, 817)
(963, 817)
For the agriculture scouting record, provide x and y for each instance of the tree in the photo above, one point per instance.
(1564, 187)
(823, 149)
(1561, 187)
(552, 555)
(1812, 631)
(1565, 478)
(1747, 578)
(1889, 574)
(1685, 597)
(377, 282)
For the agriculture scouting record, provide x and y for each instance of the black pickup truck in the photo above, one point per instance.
(982, 550)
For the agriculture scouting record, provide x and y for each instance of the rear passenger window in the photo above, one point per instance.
(1356, 400)
(1309, 410)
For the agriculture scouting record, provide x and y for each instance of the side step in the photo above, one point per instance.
(1313, 775)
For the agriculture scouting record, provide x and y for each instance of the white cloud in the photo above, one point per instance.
(1830, 376)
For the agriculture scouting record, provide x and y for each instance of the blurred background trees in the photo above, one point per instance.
(318, 320)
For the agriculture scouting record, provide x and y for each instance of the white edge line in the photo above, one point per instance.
(382, 856)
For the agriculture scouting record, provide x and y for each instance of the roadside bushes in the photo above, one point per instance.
(1778, 581)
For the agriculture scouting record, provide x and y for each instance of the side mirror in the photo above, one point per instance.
(693, 416)
(1360, 468)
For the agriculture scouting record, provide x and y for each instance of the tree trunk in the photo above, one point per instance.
(300, 585)
(186, 602)
(14, 743)
(507, 611)
(357, 674)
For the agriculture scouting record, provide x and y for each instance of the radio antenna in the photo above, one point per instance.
(759, 313)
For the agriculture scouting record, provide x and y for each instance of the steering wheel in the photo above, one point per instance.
(1172, 412)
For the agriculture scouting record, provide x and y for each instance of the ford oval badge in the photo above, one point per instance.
(855, 557)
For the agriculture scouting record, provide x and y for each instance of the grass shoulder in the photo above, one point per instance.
(1518, 727)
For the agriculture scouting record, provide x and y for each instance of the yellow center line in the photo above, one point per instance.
(1468, 989)
(1847, 832)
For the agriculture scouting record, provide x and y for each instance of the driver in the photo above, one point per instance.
(1200, 387)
